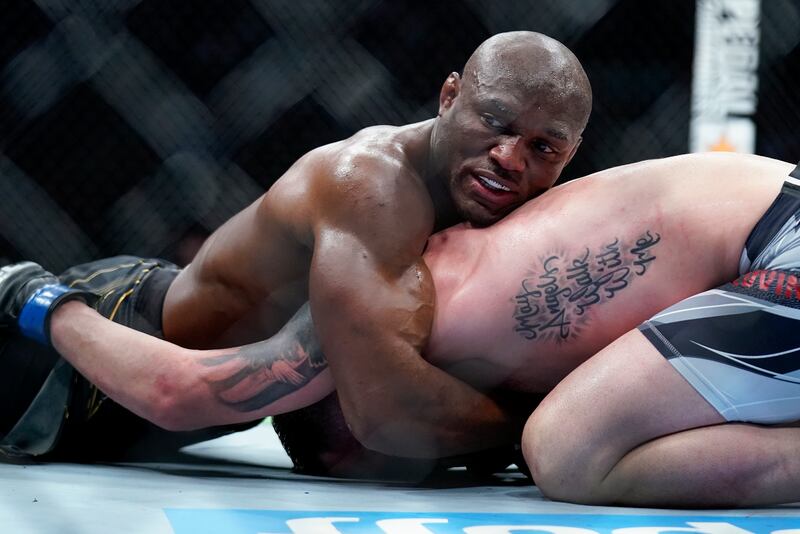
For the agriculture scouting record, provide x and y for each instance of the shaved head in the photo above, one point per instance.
(536, 64)
(509, 125)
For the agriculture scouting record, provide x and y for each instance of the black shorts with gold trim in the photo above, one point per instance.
(52, 412)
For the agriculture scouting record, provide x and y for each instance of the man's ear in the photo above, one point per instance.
(450, 89)
(574, 149)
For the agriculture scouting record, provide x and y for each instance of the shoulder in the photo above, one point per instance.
(373, 157)
(370, 175)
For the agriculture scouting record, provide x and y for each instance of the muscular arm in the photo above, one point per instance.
(372, 300)
(182, 389)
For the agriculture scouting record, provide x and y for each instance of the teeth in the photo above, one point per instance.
(491, 184)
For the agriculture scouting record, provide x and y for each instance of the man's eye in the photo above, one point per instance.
(543, 147)
(491, 121)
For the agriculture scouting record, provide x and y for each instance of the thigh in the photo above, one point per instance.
(130, 289)
(728, 354)
(625, 395)
(728, 465)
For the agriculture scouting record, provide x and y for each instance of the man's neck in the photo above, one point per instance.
(431, 170)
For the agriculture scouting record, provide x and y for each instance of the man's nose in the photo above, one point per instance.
(509, 154)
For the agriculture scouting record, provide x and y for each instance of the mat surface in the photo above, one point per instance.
(221, 497)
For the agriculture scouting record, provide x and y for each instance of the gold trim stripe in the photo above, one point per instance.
(104, 271)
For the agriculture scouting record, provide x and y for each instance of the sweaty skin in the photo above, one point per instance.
(344, 229)
(520, 304)
(524, 302)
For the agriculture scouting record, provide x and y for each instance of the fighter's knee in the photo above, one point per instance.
(556, 465)
(539, 446)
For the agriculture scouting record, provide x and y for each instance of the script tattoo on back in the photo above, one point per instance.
(553, 301)
(257, 375)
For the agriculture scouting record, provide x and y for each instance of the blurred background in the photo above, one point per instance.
(139, 126)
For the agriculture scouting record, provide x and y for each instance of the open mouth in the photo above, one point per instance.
(492, 194)
(492, 189)
(493, 185)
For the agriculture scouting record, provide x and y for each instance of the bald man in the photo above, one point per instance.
(344, 229)
(695, 407)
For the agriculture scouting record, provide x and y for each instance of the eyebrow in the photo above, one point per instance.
(503, 108)
(558, 134)
(500, 106)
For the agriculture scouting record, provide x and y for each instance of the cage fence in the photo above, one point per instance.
(139, 126)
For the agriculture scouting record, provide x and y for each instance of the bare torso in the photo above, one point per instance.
(518, 304)
(522, 303)
(252, 274)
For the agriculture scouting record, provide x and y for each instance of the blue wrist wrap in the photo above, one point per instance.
(33, 319)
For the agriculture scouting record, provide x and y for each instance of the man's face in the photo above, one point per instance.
(501, 145)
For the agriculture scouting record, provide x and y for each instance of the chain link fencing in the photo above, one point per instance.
(139, 126)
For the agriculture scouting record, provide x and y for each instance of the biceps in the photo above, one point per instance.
(370, 298)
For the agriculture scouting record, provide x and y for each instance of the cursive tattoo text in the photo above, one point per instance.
(554, 299)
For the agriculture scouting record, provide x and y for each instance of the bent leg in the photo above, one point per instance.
(627, 428)
(730, 465)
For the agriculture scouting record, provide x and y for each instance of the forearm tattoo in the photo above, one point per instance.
(257, 375)
(553, 301)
